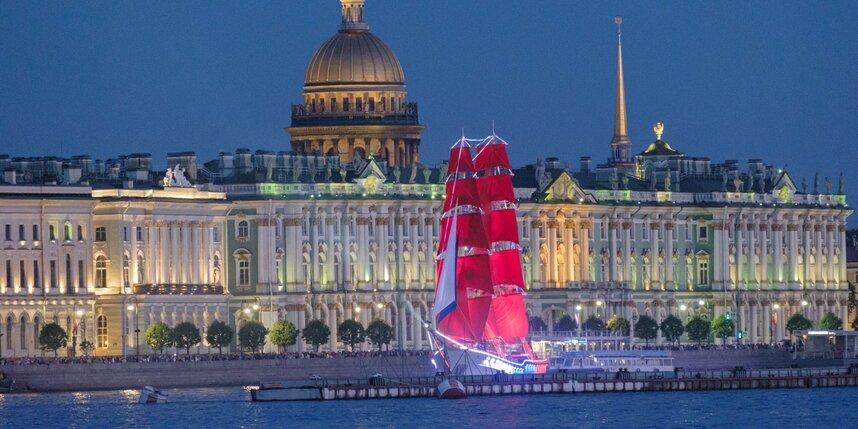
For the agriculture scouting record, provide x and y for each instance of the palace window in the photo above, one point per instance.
(243, 229)
(81, 275)
(216, 234)
(322, 105)
(67, 231)
(23, 332)
(37, 280)
(80, 232)
(603, 230)
(35, 232)
(392, 103)
(100, 234)
(345, 104)
(371, 104)
(703, 272)
(8, 273)
(359, 104)
(244, 272)
(53, 275)
(23, 278)
(8, 232)
(126, 267)
(101, 332)
(645, 231)
(9, 332)
(138, 231)
(101, 272)
(37, 326)
(702, 233)
(68, 274)
(21, 233)
(124, 233)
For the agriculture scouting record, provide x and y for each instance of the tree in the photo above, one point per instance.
(186, 335)
(219, 335)
(797, 322)
(698, 329)
(252, 335)
(52, 337)
(566, 323)
(646, 329)
(593, 323)
(283, 334)
(722, 327)
(379, 333)
(87, 347)
(671, 328)
(831, 322)
(158, 336)
(316, 333)
(351, 333)
(537, 324)
(617, 323)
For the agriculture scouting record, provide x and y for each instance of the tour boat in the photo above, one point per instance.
(614, 360)
(287, 391)
(451, 389)
(151, 395)
(482, 326)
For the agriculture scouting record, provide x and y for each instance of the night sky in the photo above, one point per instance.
(730, 80)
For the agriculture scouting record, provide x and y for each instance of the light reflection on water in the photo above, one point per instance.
(232, 408)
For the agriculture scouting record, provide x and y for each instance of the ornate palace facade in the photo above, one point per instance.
(346, 226)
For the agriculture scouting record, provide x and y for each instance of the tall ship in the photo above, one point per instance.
(482, 325)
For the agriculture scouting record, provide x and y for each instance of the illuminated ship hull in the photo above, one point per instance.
(479, 298)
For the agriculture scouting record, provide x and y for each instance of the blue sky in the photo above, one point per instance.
(730, 80)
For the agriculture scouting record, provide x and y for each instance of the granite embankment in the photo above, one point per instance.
(106, 376)
(128, 375)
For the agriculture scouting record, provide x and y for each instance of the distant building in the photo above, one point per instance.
(345, 225)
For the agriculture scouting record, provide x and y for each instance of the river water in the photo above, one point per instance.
(231, 408)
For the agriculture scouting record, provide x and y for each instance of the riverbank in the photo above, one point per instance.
(105, 375)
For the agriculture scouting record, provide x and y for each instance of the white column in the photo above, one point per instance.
(612, 248)
(584, 241)
(551, 240)
(778, 252)
(132, 267)
(627, 251)
(174, 253)
(668, 255)
(569, 242)
(792, 231)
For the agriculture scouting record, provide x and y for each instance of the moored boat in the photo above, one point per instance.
(451, 389)
(287, 391)
(614, 360)
(151, 395)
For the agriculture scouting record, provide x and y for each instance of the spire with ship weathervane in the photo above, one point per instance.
(620, 144)
(352, 15)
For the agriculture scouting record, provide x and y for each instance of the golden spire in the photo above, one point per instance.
(658, 129)
(620, 144)
(352, 11)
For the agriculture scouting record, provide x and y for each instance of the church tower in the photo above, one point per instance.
(355, 104)
(621, 146)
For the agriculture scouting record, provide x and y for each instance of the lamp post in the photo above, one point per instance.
(133, 307)
(775, 307)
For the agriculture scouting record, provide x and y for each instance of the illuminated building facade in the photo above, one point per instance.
(346, 226)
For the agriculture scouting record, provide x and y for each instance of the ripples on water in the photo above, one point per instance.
(230, 408)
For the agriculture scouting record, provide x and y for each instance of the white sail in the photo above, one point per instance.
(445, 295)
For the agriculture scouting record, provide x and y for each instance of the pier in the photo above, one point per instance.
(572, 383)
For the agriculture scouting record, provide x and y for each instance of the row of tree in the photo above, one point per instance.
(672, 328)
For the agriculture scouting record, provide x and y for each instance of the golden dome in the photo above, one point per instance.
(354, 55)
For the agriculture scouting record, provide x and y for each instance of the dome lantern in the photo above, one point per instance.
(353, 16)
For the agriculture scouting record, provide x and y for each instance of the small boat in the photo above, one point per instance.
(451, 389)
(151, 395)
(612, 361)
(287, 391)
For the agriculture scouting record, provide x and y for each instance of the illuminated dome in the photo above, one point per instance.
(354, 55)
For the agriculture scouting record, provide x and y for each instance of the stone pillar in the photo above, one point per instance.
(778, 252)
(568, 242)
(832, 267)
(151, 263)
(792, 230)
(752, 253)
(808, 274)
(551, 242)
(668, 256)
(583, 239)
(173, 273)
(400, 262)
(627, 251)
(413, 221)
(841, 274)
(719, 263)
(132, 255)
(329, 233)
(612, 248)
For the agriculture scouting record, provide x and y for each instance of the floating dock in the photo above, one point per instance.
(557, 383)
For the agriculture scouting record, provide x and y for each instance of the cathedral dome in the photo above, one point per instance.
(353, 55)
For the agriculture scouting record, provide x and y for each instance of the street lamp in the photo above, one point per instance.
(132, 307)
(776, 307)
(683, 307)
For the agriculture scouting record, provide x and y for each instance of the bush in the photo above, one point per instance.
(831, 322)
(316, 333)
(566, 323)
(722, 327)
(158, 336)
(646, 329)
(797, 322)
(671, 328)
(283, 334)
(617, 323)
(351, 333)
(219, 335)
(698, 329)
(593, 323)
(186, 335)
(52, 337)
(87, 347)
(252, 335)
(379, 333)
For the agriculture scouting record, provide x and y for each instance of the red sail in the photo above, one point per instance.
(498, 226)
(492, 154)
(507, 319)
(495, 188)
(506, 268)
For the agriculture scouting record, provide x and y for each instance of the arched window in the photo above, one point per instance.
(101, 272)
(126, 267)
(23, 331)
(101, 332)
(68, 274)
(141, 269)
(243, 229)
(37, 326)
(9, 322)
